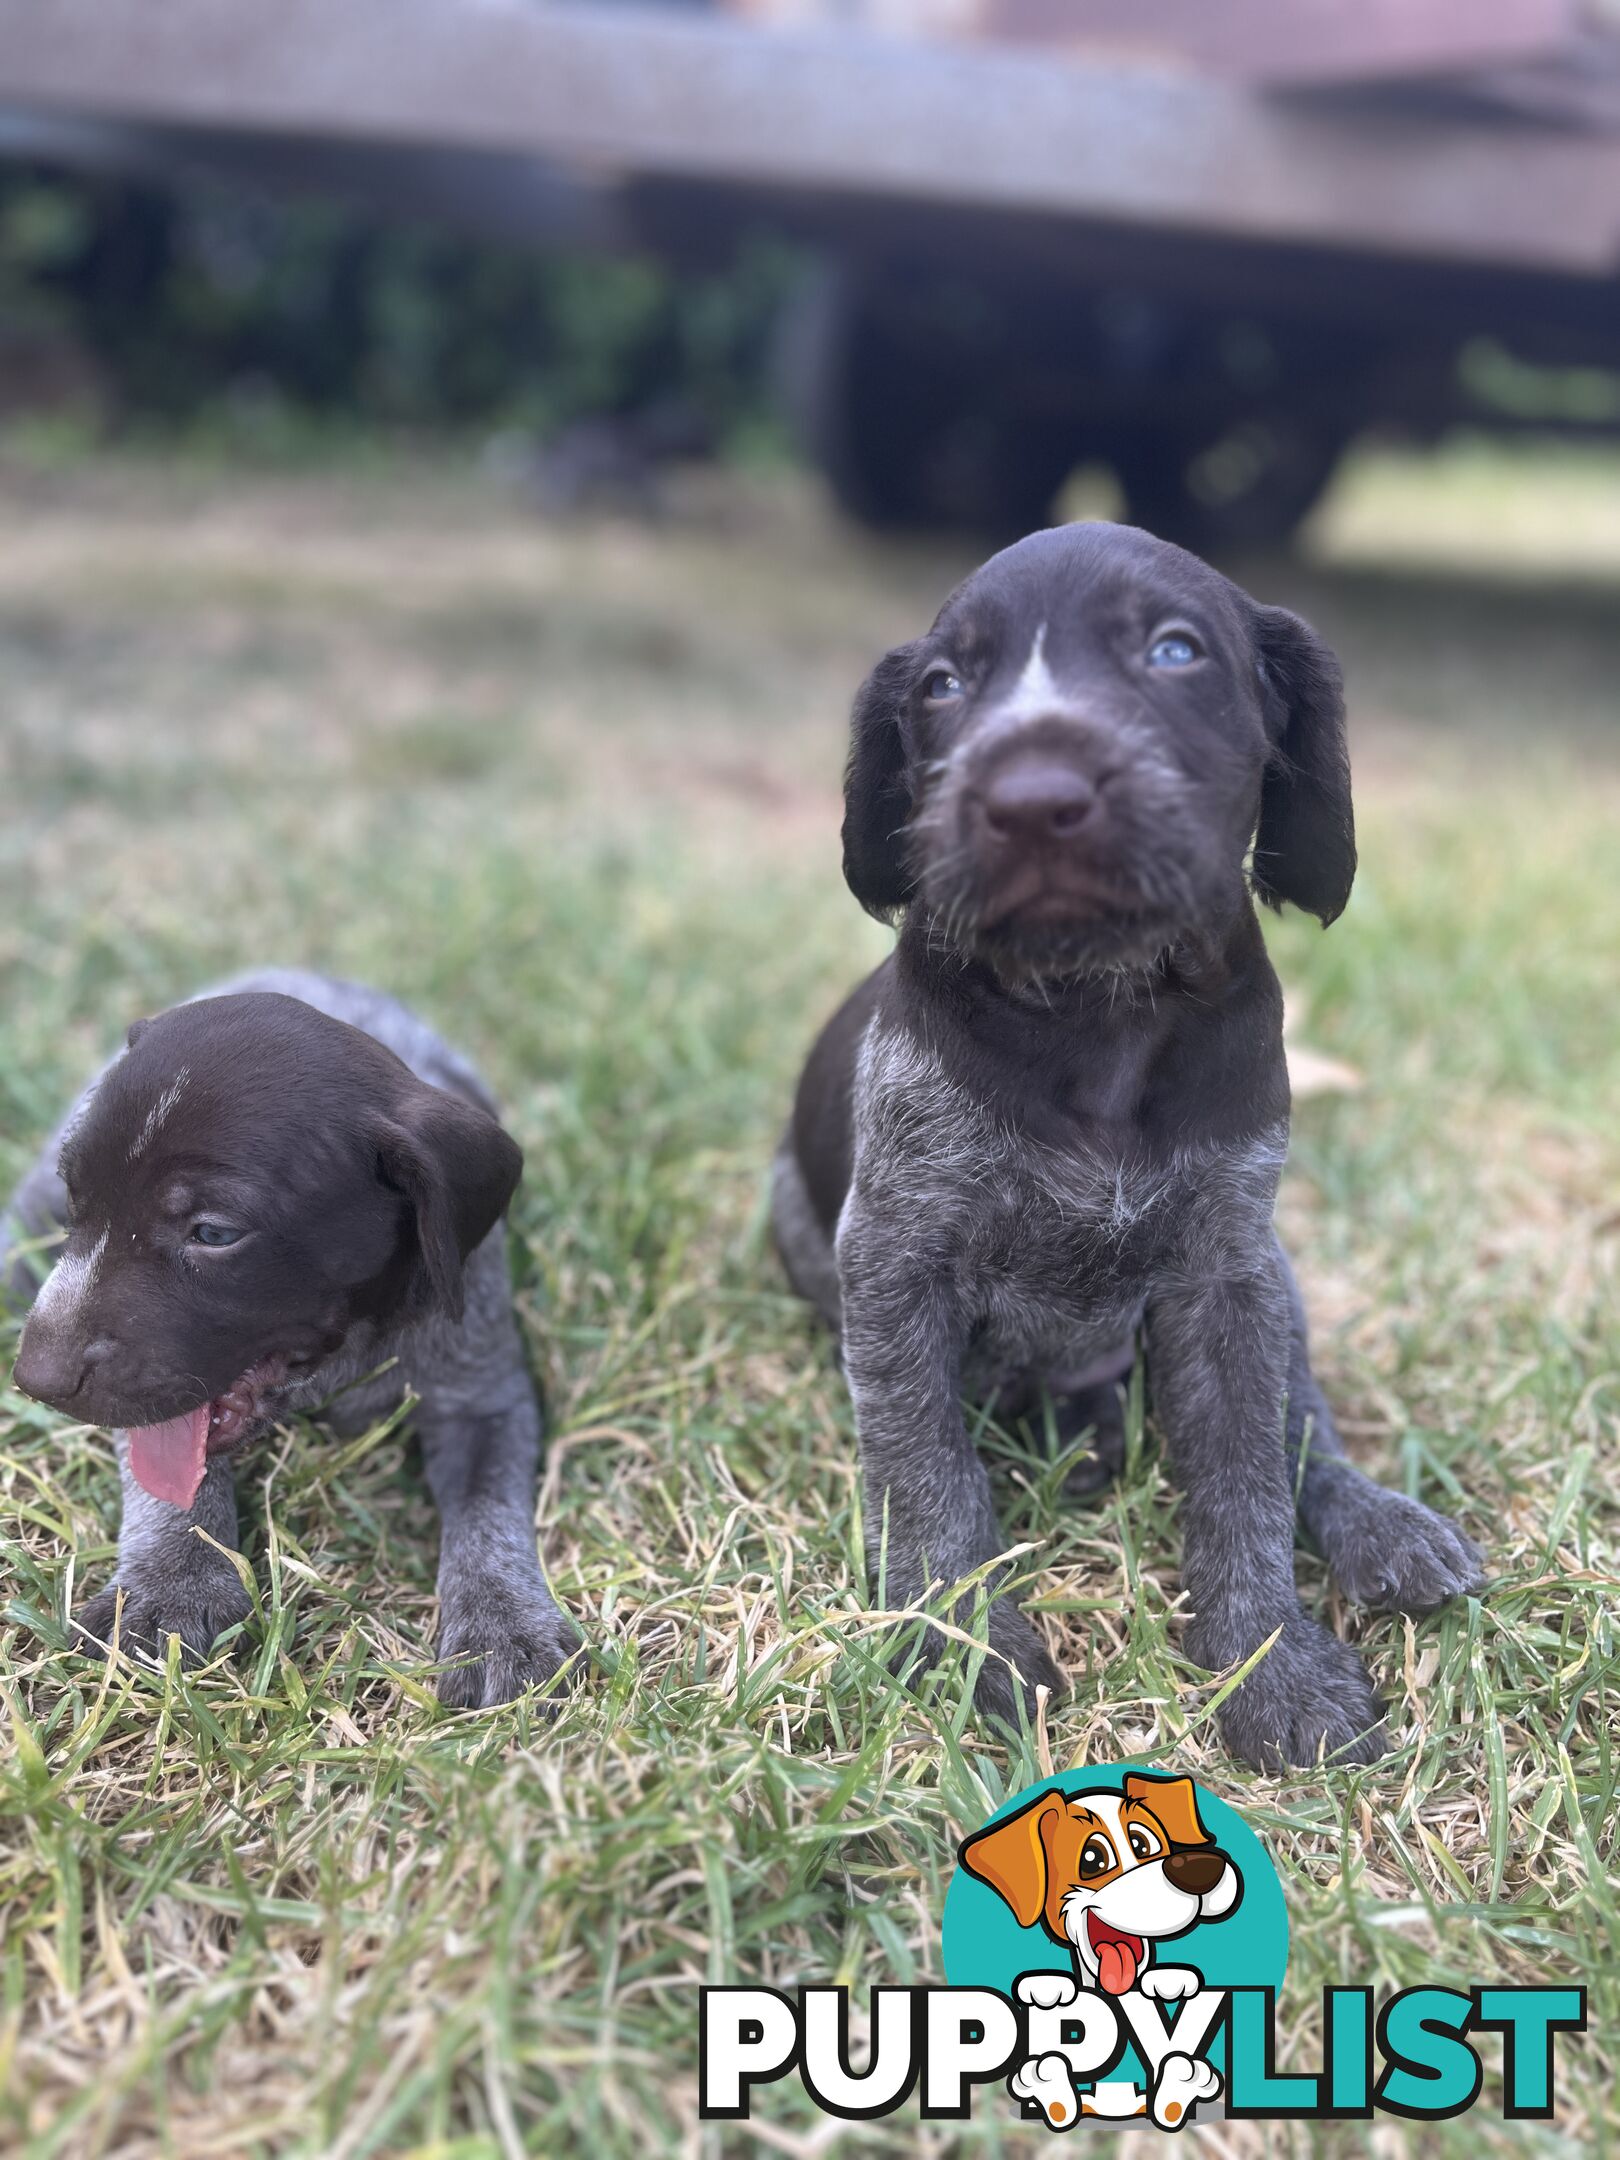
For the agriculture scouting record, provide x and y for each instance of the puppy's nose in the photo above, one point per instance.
(1196, 1872)
(1036, 798)
(50, 1370)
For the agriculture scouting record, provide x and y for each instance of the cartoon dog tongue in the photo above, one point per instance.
(169, 1459)
(1117, 1959)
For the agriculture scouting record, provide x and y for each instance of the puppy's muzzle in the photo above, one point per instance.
(54, 1369)
(1036, 824)
(1034, 799)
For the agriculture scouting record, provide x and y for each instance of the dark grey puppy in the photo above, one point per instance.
(1055, 1119)
(272, 1192)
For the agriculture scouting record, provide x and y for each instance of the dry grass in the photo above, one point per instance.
(575, 795)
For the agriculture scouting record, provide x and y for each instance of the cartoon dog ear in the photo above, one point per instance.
(458, 1168)
(1174, 1801)
(1305, 846)
(1011, 1857)
(877, 797)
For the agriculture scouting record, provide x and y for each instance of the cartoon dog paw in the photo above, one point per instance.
(1179, 2087)
(1169, 1983)
(1047, 1990)
(1045, 2081)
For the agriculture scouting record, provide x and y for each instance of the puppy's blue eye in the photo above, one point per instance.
(1176, 650)
(214, 1233)
(941, 683)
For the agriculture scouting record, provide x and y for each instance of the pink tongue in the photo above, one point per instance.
(169, 1459)
(1116, 1966)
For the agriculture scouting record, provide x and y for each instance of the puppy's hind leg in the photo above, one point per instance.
(36, 1213)
(1092, 1403)
(1384, 1550)
(1060, 1410)
(806, 1250)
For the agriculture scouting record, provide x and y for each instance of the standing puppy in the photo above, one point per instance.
(1056, 1117)
(288, 1196)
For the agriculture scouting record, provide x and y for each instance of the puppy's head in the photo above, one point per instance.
(249, 1182)
(1108, 1874)
(1069, 770)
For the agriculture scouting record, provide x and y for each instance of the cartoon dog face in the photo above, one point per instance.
(1108, 1874)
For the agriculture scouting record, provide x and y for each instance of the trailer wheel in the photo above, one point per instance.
(1250, 486)
(893, 395)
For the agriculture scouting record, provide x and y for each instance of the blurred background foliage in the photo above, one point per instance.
(135, 309)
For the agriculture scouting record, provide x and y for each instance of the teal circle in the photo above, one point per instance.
(983, 1945)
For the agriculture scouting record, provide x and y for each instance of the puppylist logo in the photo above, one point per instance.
(1114, 1940)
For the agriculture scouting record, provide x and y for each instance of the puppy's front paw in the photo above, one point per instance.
(1169, 1983)
(1046, 2083)
(1178, 2088)
(197, 1598)
(498, 1639)
(1003, 1685)
(1393, 1554)
(1000, 1686)
(1308, 1699)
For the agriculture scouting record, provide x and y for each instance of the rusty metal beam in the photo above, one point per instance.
(628, 92)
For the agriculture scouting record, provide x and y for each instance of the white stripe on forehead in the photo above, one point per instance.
(1106, 1806)
(1036, 681)
(65, 1289)
(158, 1115)
(1035, 694)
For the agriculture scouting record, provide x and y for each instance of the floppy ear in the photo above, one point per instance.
(1011, 1857)
(137, 1028)
(877, 795)
(1175, 1803)
(458, 1169)
(1305, 848)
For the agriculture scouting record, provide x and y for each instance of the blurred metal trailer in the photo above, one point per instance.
(1203, 243)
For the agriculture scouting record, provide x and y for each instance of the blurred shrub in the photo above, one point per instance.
(187, 301)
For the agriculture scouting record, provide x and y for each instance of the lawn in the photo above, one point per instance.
(574, 793)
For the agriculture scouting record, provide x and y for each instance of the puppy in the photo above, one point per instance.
(1053, 1122)
(1110, 1875)
(282, 1197)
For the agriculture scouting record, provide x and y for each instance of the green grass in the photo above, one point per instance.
(574, 794)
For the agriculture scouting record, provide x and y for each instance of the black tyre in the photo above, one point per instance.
(903, 398)
(1250, 485)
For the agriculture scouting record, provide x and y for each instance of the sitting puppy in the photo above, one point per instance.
(1056, 1117)
(275, 1190)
